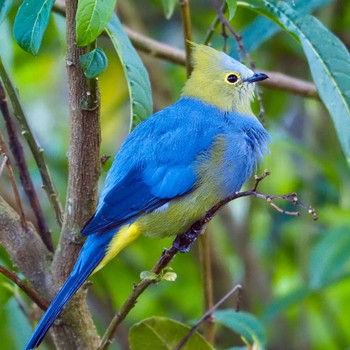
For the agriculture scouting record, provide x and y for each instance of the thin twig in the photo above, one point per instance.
(5, 152)
(138, 289)
(37, 151)
(28, 186)
(184, 242)
(187, 32)
(26, 289)
(207, 315)
(214, 25)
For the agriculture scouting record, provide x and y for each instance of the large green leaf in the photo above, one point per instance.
(31, 22)
(160, 333)
(135, 71)
(5, 6)
(328, 59)
(244, 324)
(330, 258)
(92, 18)
(261, 29)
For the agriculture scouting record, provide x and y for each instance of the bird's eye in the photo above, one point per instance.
(232, 78)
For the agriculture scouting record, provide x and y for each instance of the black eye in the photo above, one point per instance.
(232, 78)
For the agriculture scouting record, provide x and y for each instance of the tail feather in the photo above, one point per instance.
(85, 265)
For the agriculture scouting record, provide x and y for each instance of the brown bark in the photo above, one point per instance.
(26, 250)
(76, 330)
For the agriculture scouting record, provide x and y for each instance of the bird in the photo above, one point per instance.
(173, 168)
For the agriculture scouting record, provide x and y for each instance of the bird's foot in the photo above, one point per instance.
(185, 241)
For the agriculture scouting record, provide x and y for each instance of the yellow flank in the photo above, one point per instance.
(121, 239)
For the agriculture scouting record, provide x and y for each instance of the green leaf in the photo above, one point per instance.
(148, 275)
(92, 18)
(244, 324)
(31, 22)
(136, 73)
(330, 258)
(169, 7)
(5, 6)
(160, 333)
(280, 304)
(93, 63)
(169, 276)
(328, 59)
(232, 7)
(261, 29)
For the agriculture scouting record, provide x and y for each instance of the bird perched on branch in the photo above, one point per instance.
(173, 168)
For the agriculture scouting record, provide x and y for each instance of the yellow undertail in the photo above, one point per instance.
(121, 239)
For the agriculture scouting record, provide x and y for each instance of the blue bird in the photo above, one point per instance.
(173, 168)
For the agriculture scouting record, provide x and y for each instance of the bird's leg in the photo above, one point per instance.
(185, 241)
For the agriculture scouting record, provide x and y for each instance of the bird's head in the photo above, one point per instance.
(220, 80)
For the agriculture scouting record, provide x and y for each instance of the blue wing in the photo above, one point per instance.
(156, 163)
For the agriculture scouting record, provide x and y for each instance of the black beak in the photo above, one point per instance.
(256, 77)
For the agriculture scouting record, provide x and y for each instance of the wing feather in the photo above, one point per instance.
(156, 163)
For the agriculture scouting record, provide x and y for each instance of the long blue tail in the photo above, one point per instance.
(90, 256)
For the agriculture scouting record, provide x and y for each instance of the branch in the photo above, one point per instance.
(277, 81)
(26, 250)
(37, 151)
(213, 25)
(280, 81)
(6, 162)
(209, 314)
(157, 49)
(187, 32)
(26, 289)
(28, 186)
(138, 289)
(183, 243)
(83, 172)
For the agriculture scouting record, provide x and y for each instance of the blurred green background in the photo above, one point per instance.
(295, 272)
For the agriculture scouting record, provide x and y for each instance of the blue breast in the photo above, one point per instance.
(247, 142)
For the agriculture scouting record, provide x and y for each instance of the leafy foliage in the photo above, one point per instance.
(92, 18)
(330, 261)
(244, 324)
(261, 29)
(136, 74)
(329, 60)
(94, 63)
(31, 22)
